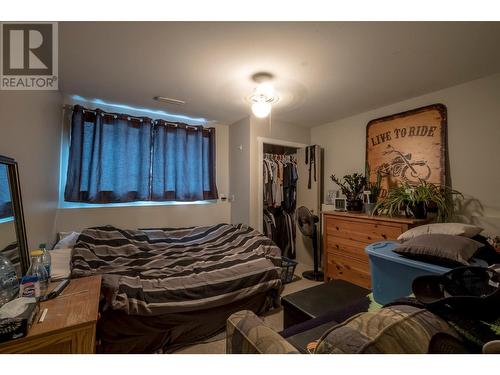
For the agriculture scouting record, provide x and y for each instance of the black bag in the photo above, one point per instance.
(472, 291)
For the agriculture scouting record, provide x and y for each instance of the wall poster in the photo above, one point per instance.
(408, 146)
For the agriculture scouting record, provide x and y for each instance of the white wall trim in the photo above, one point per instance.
(260, 185)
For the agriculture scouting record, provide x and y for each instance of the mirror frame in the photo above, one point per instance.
(17, 207)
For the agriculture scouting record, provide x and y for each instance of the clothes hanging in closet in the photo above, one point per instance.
(279, 226)
(269, 225)
(280, 181)
(280, 199)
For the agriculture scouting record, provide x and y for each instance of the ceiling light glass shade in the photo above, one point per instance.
(261, 109)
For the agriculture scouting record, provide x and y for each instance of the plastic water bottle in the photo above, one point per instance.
(37, 268)
(46, 259)
(9, 285)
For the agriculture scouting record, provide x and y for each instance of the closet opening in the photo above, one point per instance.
(280, 180)
(290, 176)
(307, 192)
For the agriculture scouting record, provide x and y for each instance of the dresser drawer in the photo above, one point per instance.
(343, 247)
(349, 269)
(335, 241)
(362, 231)
(345, 236)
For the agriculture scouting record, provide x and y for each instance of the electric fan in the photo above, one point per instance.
(308, 226)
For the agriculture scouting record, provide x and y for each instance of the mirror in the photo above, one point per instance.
(12, 231)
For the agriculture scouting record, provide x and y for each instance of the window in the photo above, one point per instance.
(116, 158)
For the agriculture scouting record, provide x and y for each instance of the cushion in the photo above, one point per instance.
(440, 248)
(456, 229)
(67, 240)
(246, 333)
(398, 329)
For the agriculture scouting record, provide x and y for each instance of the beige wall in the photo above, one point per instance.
(68, 219)
(239, 170)
(76, 219)
(30, 132)
(309, 197)
(244, 161)
(277, 130)
(473, 143)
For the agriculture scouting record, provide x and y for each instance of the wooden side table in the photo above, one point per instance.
(345, 236)
(69, 326)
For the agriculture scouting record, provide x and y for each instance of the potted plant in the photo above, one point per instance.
(352, 187)
(415, 200)
(374, 188)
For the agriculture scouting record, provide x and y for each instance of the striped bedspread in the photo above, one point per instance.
(153, 272)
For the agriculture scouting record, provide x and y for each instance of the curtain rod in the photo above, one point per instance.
(71, 107)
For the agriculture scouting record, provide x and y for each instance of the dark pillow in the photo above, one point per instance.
(440, 248)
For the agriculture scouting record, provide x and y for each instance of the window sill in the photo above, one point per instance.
(72, 205)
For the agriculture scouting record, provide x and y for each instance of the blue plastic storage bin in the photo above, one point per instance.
(392, 274)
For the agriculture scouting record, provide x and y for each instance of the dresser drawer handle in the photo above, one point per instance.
(384, 236)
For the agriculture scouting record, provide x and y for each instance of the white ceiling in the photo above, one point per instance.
(324, 71)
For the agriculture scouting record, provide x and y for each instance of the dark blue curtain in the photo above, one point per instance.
(118, 158)
(5, 197)
(183, 167)
(109, 158)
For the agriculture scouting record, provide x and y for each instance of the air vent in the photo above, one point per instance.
(169, 100)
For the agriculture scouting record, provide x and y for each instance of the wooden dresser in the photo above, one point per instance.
(69, 326)
(345, 236)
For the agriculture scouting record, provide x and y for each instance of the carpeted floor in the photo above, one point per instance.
(216, 345)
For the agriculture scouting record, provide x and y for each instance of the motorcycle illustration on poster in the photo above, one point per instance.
(408, 146)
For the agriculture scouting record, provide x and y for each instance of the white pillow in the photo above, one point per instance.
(67, 241)
(456, 229)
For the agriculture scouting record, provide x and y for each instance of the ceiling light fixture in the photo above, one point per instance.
(263, 96)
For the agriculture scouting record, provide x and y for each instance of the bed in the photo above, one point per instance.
(165, 288)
